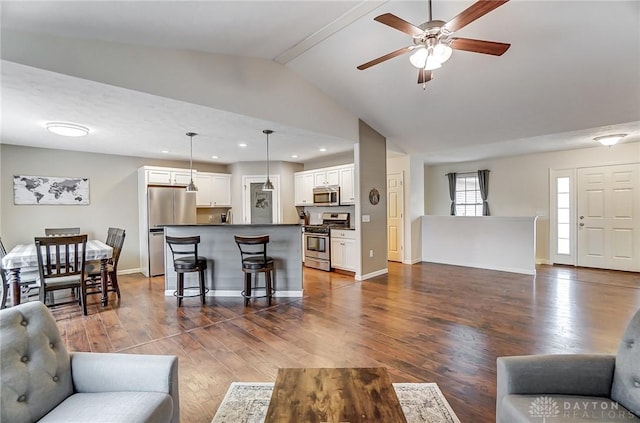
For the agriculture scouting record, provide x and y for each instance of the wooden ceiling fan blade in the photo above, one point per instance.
(424, 76)
(479, 46)
(398, 23)
(381, 59)
(473, 12)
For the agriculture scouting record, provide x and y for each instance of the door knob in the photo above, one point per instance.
(581, 224)
(581, 217)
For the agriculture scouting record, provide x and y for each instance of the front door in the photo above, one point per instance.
(608, 232)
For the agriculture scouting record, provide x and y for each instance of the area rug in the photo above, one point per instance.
(248, 403)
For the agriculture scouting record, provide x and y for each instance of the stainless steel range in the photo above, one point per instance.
(317, 252)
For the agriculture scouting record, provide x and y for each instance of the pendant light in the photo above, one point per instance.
(191, 187)
(268, 186)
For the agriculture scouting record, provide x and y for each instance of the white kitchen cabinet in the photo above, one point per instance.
(303, 183)
(214, 190)
(326, 177)
(169, 176)
(347, 185)
(221, 190)
(205, 189)
(181, 177)
(159, 176)
(343, 249)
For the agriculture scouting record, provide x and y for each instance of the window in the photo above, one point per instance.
(563, 215)
(468, 198)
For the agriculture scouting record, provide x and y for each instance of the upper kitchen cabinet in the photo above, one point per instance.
(168, 176)
(304, 183)
(326, 177)
(342, 176)
(347, 185)
(214, 190)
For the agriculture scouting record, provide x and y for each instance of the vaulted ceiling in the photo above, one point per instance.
(572, 72)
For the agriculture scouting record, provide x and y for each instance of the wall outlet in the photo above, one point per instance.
(370, 253)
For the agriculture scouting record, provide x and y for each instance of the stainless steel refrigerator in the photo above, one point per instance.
(167, 206)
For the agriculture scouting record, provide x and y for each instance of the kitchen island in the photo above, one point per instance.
(224, 275)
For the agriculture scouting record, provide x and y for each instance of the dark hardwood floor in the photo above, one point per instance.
(425, 323)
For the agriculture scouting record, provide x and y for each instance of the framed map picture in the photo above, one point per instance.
(50, 190)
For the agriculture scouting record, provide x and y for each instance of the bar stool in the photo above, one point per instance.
(184, 251)
(253, 253)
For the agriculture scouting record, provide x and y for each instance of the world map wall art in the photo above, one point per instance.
(50, 190)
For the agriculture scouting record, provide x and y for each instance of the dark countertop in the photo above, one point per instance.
(233, 224)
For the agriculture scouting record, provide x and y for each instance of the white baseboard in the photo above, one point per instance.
(372, 274)
(413, 261)
(129, 271)
(483, 266)
(544, 261)
(234, 293)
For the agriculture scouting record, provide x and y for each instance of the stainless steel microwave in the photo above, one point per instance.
(326, 196)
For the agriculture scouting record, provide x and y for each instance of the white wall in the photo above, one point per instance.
(488, 242)
(113, 185)
(519, 185)
(328, 161)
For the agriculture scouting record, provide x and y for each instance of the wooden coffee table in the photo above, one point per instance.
(334, 396)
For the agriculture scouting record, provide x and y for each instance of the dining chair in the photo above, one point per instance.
(61, 231)
(115, 239)
(61, 261)
(29, 279)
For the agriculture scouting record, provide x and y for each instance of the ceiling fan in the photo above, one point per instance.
(433, 41)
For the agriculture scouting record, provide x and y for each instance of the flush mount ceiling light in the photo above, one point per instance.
(268, 186)
(67, 129)
(191, 187)
(610, 140)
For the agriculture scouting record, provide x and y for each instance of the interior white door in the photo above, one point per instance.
(257, 206)
(395, 214)
(608, 211)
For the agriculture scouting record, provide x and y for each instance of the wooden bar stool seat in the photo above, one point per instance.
(253, 253)
(186, 260)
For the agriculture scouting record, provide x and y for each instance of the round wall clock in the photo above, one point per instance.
(374, 196)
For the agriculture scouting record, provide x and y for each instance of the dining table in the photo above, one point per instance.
(24, 256)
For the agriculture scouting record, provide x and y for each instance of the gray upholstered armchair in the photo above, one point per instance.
(572, 388)
(41, 381)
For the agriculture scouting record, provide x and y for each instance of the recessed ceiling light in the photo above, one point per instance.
(214, 157)
(242, 144)
(323, 149)
(67, 129)
(294, 156)
(165, 151)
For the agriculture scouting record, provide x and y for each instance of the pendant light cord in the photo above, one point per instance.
(267, 156)
(191, 157)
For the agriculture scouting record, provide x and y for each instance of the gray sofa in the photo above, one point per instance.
(41, 381)
(572, 388)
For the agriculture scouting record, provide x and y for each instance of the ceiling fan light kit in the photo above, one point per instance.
(433, 43)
